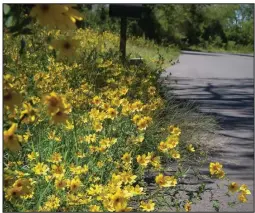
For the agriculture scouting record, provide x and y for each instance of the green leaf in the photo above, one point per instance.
(9, 22)
(7, 9)
(216, 205)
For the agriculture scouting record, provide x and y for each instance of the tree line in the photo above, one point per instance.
(219, 25)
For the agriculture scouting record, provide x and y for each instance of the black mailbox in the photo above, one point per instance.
(126, 10)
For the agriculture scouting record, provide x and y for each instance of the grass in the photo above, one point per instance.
(237, 49)
(151, 52)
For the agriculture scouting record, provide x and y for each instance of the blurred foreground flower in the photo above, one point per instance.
(53, 15)
(11, 141)
(11, 98)
(66, 47)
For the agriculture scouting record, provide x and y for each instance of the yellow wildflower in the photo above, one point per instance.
(11, 141)
(142, 160)
(244, 189)
(11, 98)
(190, 148)
(94, 208)
(242, 197)
(148, 207)
(32, 156)
(215, 168)
(174, 154)
(233, 187)
(55, 158)
(60, 183)
(187, 206)
(57, 171)
(66, 47)
(165, 181)
(40, 169)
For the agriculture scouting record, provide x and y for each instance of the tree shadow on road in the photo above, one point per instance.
(231, 102)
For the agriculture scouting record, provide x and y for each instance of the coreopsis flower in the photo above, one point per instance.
(56, 16)
(77, 170)
(111, 113)
(97, 126)
(155, 161)
(60, 183)
(215, 168)
(136, 118)
(137, 190)
(40, 169)
(54, 102)
(233, 187)
(147, 206)
(91, 138)
(163, 146)
(52, 136)
(128, 177)
(95, 189)
(242, 197)
(172, 142)
(96, 100)
(26, 187)
(165, 181)
(220, 174)
(57, 171)
(32, 156)
(8, 180)
(11, 98)
(49, 14)
(11, 141)
(59, 117)
(74, 184)
(28, 115)
(187, 206)
(190, 148)
(152, 90)
(52, 203)
(118, 201)
(142, 160)
(73, 14)
(142, 124)
(126, 158)
(66, 47)
(170, 128)
(100, 164)
(13, 193)
(176, 131)
(55, 158)
(174, 154)
(94, 208)
(244, 189)
(69, 125)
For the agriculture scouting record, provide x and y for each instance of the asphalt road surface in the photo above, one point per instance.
(223, 86)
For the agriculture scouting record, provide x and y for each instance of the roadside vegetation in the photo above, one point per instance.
(84, 131)
(203, 27)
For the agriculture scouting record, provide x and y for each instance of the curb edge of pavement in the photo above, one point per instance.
(216, 53)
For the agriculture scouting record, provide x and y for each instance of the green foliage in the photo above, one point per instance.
(208, 26)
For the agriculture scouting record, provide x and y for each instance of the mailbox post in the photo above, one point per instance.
(125, 11)
(123, 37)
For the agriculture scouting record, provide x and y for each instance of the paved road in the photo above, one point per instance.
(223, 86)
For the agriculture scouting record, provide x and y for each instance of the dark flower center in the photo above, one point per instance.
(67, 45)
(8, 96)
(53, 102)
(45, 8)
(10, 137)
(19, 185)
(59, 113)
